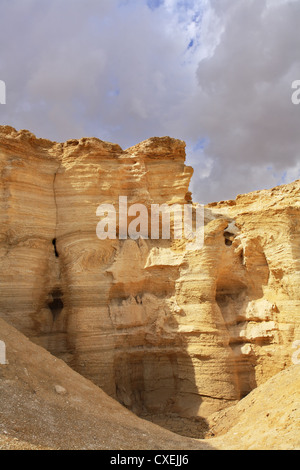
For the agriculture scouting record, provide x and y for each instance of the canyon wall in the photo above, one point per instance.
(160, 328)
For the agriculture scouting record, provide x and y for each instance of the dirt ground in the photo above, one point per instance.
(46, 405)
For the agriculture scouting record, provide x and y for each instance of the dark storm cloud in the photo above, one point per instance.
(244, 98)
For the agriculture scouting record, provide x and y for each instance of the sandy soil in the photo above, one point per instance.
(46, 405)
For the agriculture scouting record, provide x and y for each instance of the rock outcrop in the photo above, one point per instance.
(160, 328)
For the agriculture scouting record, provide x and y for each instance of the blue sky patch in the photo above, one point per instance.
(153, 4)
(191, 44)
(201, 144)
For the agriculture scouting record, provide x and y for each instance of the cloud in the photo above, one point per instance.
(214, 73)
(244, 96)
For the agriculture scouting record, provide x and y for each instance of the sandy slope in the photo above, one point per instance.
(35, 414)
(268, 418)
(85, 418)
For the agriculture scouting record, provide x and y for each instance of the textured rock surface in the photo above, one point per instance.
(263, 316)
(162, 329)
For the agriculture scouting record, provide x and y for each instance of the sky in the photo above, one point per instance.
(217, 74)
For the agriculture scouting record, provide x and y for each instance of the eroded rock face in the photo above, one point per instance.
(160, 328)
(263, 317)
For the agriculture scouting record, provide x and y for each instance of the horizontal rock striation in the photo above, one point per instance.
(162, 329)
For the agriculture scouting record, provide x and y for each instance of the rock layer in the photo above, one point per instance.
(160, 328)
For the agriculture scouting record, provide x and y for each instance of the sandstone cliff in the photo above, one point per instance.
(162, 329)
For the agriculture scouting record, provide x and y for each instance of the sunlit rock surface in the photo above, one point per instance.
(162, 329)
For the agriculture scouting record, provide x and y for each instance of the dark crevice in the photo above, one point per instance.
(229, 237)
(55, 248)
(56, 305)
